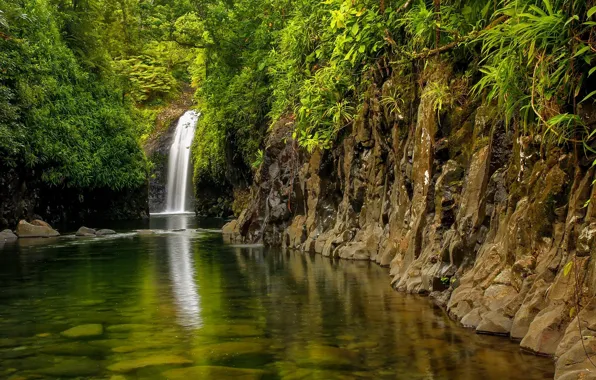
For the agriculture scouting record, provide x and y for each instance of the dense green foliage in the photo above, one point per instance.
(311, 61)
(80, 79)
(58, 116)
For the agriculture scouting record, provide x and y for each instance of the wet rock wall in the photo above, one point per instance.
(497, 226)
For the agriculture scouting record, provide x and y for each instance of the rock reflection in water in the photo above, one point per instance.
(342, 316)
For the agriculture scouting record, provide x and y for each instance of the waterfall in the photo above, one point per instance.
(179, 162)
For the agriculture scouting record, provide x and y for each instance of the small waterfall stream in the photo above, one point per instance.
(179, 163)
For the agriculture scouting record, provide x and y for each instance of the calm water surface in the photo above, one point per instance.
(182, 305)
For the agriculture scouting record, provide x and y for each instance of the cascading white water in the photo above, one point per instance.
(179, 162)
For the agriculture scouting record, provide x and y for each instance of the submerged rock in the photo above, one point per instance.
(129, 328)
(222, 352)
(149, 361)
(145, 232)
(212, 372)
(104, 232)
(27, 230)
(73, 368)
(85, 231)
(74, 349)
(7, 342)
(140, 347)
(84, 331)
(329, 357)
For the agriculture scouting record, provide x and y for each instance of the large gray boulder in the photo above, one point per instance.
(7, 235)
(85, 231)
(28, 230)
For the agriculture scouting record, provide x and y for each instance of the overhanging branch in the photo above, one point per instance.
(457, 42)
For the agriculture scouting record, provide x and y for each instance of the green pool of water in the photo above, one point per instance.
(183, 305)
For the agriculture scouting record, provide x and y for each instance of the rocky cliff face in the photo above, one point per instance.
(498, 227)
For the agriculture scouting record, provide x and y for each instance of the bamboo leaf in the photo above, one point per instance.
(581, 51)
(588, 96)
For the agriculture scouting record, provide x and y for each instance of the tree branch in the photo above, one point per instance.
(451, 45)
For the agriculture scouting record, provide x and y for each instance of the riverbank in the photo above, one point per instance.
(497, 227)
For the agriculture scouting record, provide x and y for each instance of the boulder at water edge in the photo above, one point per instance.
(41, 223)
(85, 231)
(7, 235)
(28, 230)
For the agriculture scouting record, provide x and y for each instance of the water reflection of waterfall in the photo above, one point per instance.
(186, 296)
(179, 162)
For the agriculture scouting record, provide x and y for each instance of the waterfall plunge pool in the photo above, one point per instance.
(183, 305)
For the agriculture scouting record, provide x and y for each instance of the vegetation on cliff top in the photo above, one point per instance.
(82, 81)
(314, 61)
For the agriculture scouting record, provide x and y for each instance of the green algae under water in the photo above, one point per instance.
(183, 305)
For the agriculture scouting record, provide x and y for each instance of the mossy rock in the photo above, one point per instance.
(290, 371)
(214, 372)
(30, 363)
(84, 331)
(149, 361)
(7, 342)
(17, 352)
(248, 354)
(141, 347)
(327, 357)
(74, 349)
(72, 368)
